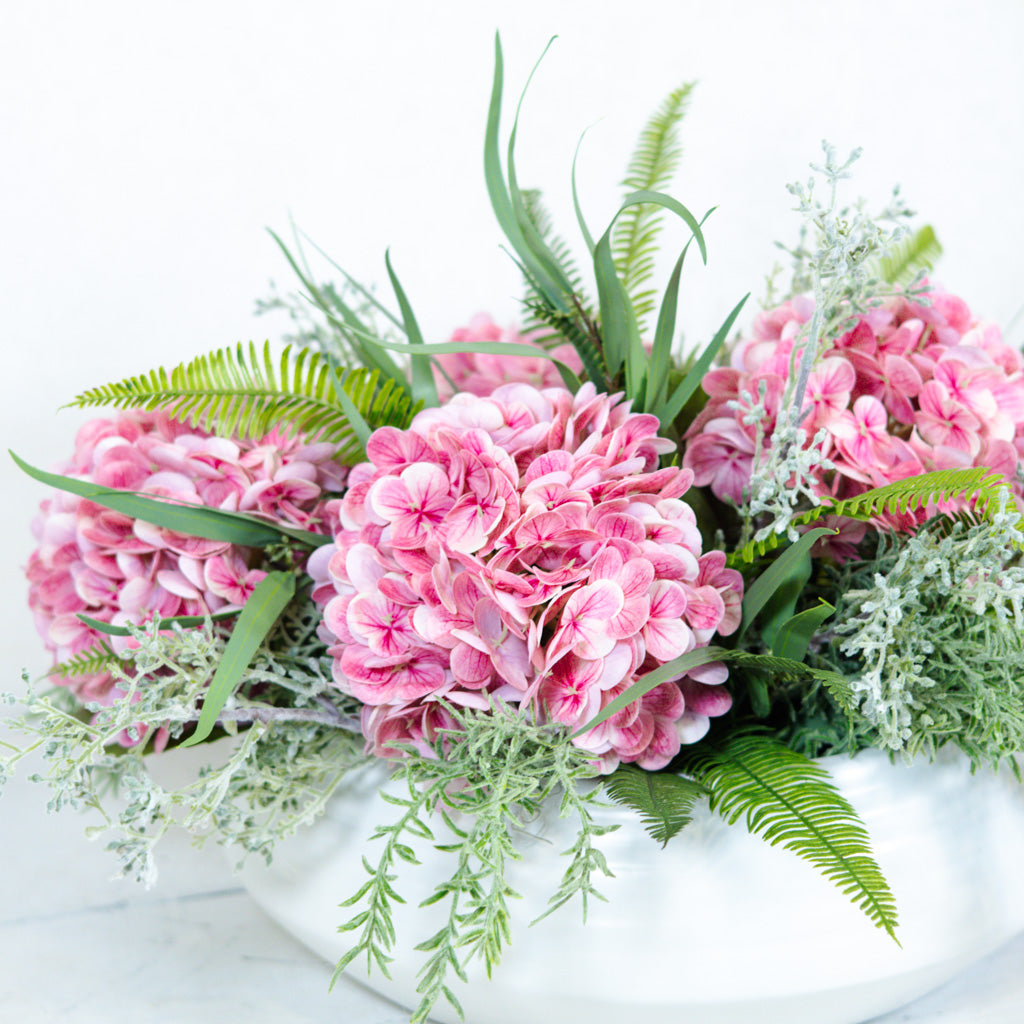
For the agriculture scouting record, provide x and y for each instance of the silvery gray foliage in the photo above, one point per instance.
(838, 268)
(937, 633)
(285, 757)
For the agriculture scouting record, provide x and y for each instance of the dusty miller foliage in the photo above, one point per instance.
(836, 261)
(931, 634)
(294, 742)
(483, 785)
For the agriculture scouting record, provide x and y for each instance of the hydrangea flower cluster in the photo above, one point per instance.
(118, 569)
(525, 547)
(479, 373)
(910, 388)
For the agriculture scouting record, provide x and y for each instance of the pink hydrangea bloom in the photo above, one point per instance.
(909, 388)
(525, 546)
(480, 374)
(118, 569)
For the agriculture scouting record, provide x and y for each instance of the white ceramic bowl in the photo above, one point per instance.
(717, 928)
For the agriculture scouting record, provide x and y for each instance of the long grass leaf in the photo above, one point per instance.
(424, 388)
(670, 410)
(670, 670)
(764, 587)
(191, 520)
(257, 618)
(177, 620)
(794, 636)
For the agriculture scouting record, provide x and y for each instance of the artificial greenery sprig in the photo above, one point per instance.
(288, 755)
(483, 783)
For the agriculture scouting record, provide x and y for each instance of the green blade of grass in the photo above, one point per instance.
(257, 618)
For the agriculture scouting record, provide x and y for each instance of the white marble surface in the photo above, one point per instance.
(78, 948)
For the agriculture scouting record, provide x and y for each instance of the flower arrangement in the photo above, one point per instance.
(511, 563)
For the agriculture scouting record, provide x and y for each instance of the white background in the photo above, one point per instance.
(144, 146)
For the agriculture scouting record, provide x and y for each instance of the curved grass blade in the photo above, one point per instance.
(794, 636)
(620, 331)
(689, 384)
(360, 427)
(584, 230)
(191, 520)
(764, 587)
(354, 330)
(356, 286)
(670, 670)
(424, 389)
(501, 200)
(257, 618)
(178, 620)
(661, 349)
(496, 348)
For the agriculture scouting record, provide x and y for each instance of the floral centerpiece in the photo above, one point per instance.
(516, 564)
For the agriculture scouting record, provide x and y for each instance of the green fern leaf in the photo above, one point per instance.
(538, 215)
(920, 251)
(654, 161)
(980, 485)
(787, 799)
(663, 800)
(246, 393)
(781, 670)
(88, 662)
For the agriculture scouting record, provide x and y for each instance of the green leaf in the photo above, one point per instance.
(651, 167)
(94, 659)
(667, 412)
(191, 520)
(670, 670)
(919, 252)
(352, 328)
(245, 392)
(787, 799)
(360, 428)
(424, 389)
(580, 219)
(257, 618)
(663, 800)
(661, 349)
(981, 485)
(620, 332)
(502, 203)
(177, 620)
(794, 636)
(789, 563)
(495, 348)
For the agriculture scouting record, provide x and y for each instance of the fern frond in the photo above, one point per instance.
(654, 161)
(246, 393)
(783, 670)
(920, 251)
(980, 485)
(88, 662)
(663, 800)
(787, 799)
(567, 329)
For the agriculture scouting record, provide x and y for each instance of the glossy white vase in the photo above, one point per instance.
(717, 928)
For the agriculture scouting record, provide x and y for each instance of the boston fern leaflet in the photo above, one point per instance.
(786, 798)
(245, 392)
(980, 485)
